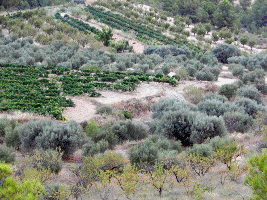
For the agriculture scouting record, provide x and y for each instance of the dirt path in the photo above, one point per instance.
(84, 109)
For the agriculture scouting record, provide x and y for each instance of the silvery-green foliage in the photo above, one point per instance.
(237, 121)
(250, 92)
(51, 135)
(168, 104)
(207, 127)
(250, 107)
(205, 75)
(225, 51)
(127, 130)
(253, 76)
(207, 58)
(238, 60)
(203, 150)
(215, 96)
(237, 70)
(214, 107)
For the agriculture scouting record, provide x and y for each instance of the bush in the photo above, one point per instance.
(257, 175)
(168, 104)
(204, 150)
(249, 106)
(228, 90)
(214, 107)
(6, 154)
(127, 130)
(250, 92)
(91, 128)
(12, 137)
(104, 133)
(194, 94)
(237, 70)
(216, 97)
(207, 127)
(254, 76)
(177, 124)
(225, 51)
(51, 135)
(205, 75)
(236, 121)
(49, 159)
(92, 148)
(110, 161)
(152, 150)
(104, 110)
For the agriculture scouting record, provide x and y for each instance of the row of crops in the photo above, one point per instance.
(77, 24)
(43, 89)
(119, 22)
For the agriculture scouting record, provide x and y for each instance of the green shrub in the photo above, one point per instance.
(216, 97)
(204, 150)
(104, 133)
(228, 90)
(237, 70)
(110, 161)
(236, 121)
(143, 154)
(168, 104)
(254, 76)
(214, 107)
(207, 127)
(177, 124)
(225, 51)
(205, 75)
(55, 191)
(51, 135)
(249, 106)
(250, 92)
(194, 94)
(91, 128)
(92, 148)
(12, 137)
(257, 175)
(104, 110)
(127, 130)
(6, 154)
(49, 159)
(127, 114)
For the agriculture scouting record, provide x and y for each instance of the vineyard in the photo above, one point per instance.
(119, 22)
(77, 24)
(43, 89)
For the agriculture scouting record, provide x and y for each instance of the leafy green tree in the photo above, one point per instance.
(259, 13)
(224, 16)
(251, 43)
(208, 27)
(105, 36)
(209, 7)
(245, 4)
(257, 177)
(201, 31)
(244, 40)
(11, 189)
(202, 15)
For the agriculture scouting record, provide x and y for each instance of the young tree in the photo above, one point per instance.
(224, 16)
(257, 177)
(208, 27)
(244, 40)
(188, 21)
(194, 30)
(105, 36)
(215, 37)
